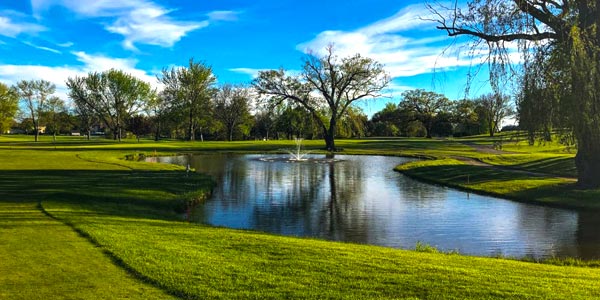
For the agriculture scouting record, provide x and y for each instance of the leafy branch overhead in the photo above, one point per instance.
(559, 43)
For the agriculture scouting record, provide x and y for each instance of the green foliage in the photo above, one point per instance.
(232, 110)
(34, 94)
(338, 82)
(190, 89)
(9, 105)
(126, 208)
(112, 96)
(422, 247)
(424, 106)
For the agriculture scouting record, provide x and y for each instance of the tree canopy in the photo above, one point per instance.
(191, 88)
(9, 104)
(113, 95)
(34, 94)
(325, 82)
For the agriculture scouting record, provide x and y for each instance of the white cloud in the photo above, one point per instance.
(223, 15)
(386, 41)
(42, 48)
(66, 44)
(248, 71)
(138, 21)
(10, 28)
(11, 74)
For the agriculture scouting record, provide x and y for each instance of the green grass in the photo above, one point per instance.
(131, 239)
(196, 261)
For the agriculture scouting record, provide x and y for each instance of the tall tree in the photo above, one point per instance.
(494, 108)
(158, 108)
(9, 105)
(54, 112)
(326, 82)
(466, 118)
(387, 122)
(192, 88)
(232, 108)
(424, 106)
(34, 94)
(86, 118)
(568, 31)
(113, 95)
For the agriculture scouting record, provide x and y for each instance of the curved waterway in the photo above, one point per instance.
(360, 199)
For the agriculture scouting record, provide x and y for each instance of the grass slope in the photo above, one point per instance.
(126, 209)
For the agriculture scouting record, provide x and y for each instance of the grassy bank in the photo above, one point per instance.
(126, 215)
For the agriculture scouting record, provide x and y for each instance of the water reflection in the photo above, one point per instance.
(360, 199)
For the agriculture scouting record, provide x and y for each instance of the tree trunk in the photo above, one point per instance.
(157, 132)
(329, 136)
(191, 131)
(586, 100)
(587, 162)
(36, 129)
(428, 124)
(491, 128)
(89, 134)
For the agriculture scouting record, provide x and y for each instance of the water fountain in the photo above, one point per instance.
(298, 154)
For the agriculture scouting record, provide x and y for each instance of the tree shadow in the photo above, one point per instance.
(124, 193)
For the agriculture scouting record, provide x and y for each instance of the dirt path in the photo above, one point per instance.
(491, 150)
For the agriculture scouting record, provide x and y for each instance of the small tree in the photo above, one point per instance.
(9, 105)
(139, 125)
(34, 94)
(494, 108)
(54, 113)
(325, 82)
(232, 108)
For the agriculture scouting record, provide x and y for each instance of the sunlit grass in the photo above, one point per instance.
(131, 211)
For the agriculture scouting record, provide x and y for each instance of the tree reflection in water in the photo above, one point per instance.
(360, 199)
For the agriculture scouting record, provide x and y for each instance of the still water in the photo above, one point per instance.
(360, 199)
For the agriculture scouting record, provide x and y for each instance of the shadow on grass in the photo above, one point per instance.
(519, 186)
(561, 166)
(127, 193)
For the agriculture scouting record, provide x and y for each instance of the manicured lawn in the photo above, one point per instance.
(131, 237)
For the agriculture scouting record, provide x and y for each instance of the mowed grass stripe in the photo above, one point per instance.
(41, 258)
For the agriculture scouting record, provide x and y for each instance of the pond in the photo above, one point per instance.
(360, 199)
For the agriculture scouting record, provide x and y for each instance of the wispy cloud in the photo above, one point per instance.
(138, 21)
(388, 41)
(11, 74)
(66, 44)
(12, 28)
(223, 15)
(42, 47)
(248, 71)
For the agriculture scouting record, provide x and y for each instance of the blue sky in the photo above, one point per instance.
(55, 39)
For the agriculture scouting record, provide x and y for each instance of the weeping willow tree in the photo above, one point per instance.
(559, 46)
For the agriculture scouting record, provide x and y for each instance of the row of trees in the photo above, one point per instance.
(118, 102)
(318, 103)
(423, 113)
